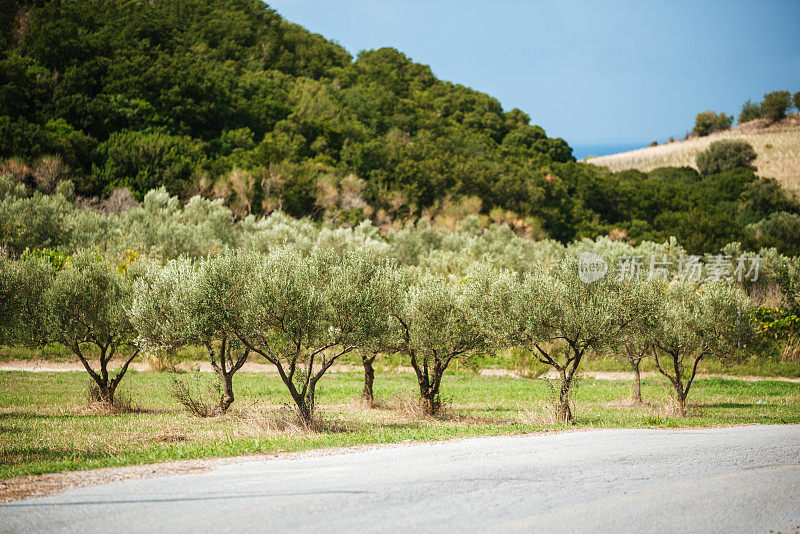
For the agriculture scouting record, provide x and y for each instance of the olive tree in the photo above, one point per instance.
(384, 335)
(696, 322)
(183, 303)
(85, 311)
(435, 322)
(23, 284)
(556, 317)
(303, 313)
(634, 343)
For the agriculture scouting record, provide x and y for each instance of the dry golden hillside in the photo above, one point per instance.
(777, 146)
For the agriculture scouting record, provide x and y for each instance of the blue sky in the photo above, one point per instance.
(589, 71)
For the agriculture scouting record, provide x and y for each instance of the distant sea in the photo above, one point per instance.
(603, 149)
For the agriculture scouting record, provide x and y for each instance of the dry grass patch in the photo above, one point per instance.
(123, 402)
(666, 407)
(778, 149)
(257, 421)
(538, 414)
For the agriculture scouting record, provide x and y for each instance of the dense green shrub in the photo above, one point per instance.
(779, 229)
(750, 111)
(710, 121)
(142, 161)
(727, 155)
(776, 104)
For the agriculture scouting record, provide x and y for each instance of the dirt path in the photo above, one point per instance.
(55, 367)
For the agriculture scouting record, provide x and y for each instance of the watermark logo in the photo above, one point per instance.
(591, 267)
(695, 268)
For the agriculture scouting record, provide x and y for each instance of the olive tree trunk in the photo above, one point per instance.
(106, 385)
(367, 394)
(225, 366)
(637, 381)
(566, 378)
(676, 378)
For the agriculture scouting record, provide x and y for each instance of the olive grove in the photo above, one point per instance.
(302, 308)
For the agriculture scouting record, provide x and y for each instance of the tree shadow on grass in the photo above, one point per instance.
(18, 455)
(737, 405)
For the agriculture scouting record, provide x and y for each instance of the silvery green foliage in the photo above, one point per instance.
(512, 252)
(697, 321)
(277, 229)
(197, 303)
(646, 299)
(445, 251)
(86, 302)
(613, 251)
(23, 311)
(553, 315)
(90, 229)
(164, 306)
(86, 309)
(364, 237)
(773, 265)
(434, 323)
(302, 313)
(33, 220)
(9, 188)
(642, 304)
(8, 297)
(162, 229)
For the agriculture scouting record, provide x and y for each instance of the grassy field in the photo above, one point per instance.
(778, 150)
(47, 425)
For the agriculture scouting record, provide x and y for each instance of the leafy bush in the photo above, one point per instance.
(142, 161)
(751, 111)
(727, 155)
(776, 104)
(779, 229)
(710, 121)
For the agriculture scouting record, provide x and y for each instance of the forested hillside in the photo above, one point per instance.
(140, 94)
(225, 99)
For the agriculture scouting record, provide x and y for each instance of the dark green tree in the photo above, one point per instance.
(776, 104)
(722, 156)
(710, 121)
(750, 111)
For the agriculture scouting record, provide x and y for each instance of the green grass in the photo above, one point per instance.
(46, 424)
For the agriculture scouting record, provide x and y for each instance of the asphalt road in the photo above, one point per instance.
(744, 479)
